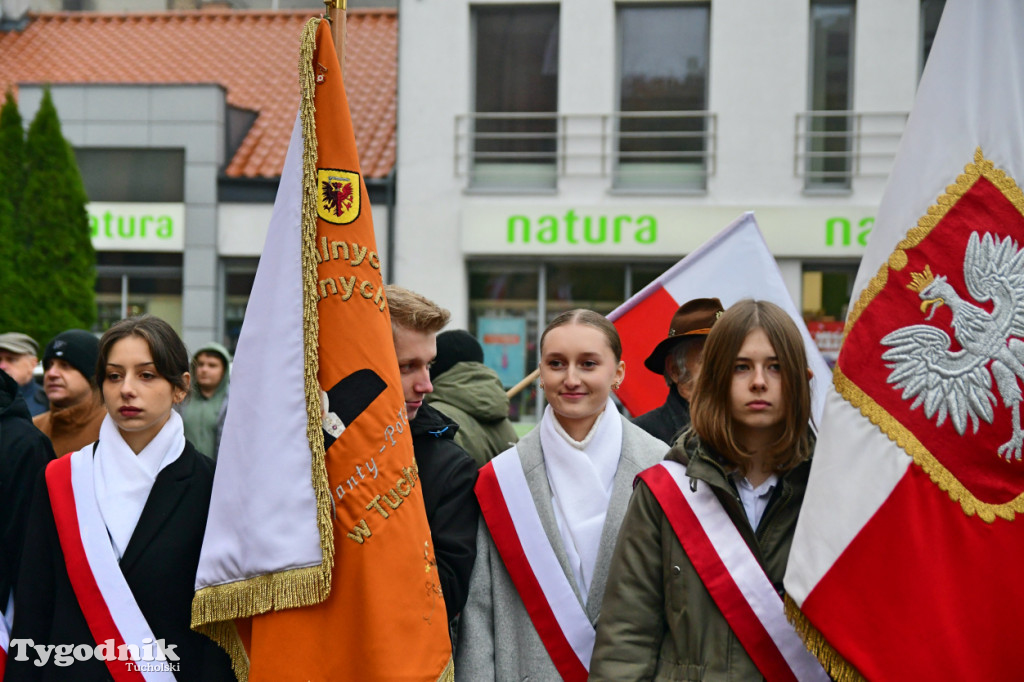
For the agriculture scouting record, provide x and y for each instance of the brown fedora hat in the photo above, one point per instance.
(694, 318)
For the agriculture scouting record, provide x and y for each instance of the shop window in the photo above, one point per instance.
(134, 175)
(239, 275)
(135, 283)
(830, 121)
(826, 297)
(516, 97)
(663, 124)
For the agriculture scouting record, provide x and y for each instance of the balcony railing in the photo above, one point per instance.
(833, 147)
(656, 151)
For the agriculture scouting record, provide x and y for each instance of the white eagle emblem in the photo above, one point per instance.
(959, 384)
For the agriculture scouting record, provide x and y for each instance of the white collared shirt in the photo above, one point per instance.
(755, 500)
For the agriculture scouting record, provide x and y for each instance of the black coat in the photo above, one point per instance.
(24, 452)
(159, 565)
(668, 421)
(448, 475)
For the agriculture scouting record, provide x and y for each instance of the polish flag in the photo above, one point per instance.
(733, 265)
(905, 561)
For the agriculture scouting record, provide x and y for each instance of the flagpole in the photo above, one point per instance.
(336, 15)
(529, 379)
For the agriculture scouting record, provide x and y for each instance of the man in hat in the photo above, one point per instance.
(76, 408)
(677, 358)
(19, 355)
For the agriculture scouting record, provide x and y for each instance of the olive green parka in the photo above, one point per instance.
(658, 621)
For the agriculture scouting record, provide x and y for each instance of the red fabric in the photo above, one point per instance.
(917, 570)
(90, 599)
(641, 329)
(716, 578)
(971, 458)
(499, 522)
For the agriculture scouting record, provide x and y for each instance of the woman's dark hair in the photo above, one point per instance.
(169, 354)
(584, 316)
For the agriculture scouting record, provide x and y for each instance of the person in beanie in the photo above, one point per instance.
(69, 379)
(203, 412)
(677, 358)
(19, 355)
(471, 394)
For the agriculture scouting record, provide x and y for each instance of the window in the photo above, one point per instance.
(516, 97)
(663, 76)
(931, 12)
(136, 175)
(829, 128)
(132, 283)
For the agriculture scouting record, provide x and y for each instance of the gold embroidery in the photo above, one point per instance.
(889, 425)
(831, 660)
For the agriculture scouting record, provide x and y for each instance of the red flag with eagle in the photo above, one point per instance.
(904, 564)
(317, 562)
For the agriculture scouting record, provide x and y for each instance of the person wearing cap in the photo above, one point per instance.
(203, 412)
(69, 379)
(19, 355)
(471, 393)
(677, 358)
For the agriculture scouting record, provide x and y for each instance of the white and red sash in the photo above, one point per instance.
(550, 601)
(5, 639)
(103, 594)
(732, 575)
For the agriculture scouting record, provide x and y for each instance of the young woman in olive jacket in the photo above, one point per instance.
(749, 433)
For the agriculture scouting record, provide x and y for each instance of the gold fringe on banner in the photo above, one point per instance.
(214, 608)
(889, 425)
(449, 673)
(831, 660)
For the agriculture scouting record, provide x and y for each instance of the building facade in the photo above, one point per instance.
(561, 154)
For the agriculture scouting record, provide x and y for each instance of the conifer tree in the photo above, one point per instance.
(12, 180)
(56, 263)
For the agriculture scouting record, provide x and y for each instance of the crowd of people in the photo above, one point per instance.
(561, 555)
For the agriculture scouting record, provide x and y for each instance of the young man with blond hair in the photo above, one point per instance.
(447, 473)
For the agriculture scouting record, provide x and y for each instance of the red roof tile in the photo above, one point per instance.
(253, 54)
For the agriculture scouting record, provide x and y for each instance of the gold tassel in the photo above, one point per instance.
(831, 660)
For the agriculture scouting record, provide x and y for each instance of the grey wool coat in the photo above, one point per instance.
(497, 639)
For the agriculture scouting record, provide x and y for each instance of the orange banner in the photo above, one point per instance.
(385, 616)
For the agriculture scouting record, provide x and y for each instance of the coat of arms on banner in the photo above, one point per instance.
(337, 195)
(934, 349)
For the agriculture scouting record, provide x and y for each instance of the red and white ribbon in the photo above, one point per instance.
(732, 575)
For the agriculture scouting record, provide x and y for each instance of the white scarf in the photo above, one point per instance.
(581, 475)
(123, 479)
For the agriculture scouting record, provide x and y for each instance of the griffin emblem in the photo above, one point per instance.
(958, 384)
(338, 195)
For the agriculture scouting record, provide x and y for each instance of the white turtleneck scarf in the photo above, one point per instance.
(581, 475)
(123, 479)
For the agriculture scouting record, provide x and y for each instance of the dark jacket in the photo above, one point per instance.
(448, 475)
(35, 397)
(24, 452)
(668, 421)
(159, 566)
(658, 620)
(471, 394)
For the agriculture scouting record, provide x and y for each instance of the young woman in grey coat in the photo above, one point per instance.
(576, 471)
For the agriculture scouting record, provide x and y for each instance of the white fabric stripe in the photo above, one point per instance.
(5, 637)
(841, 498)
(102, 563)
(553, 582)
(747, 573)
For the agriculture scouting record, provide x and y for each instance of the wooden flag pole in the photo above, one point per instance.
(529, 379)
(336, 15)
